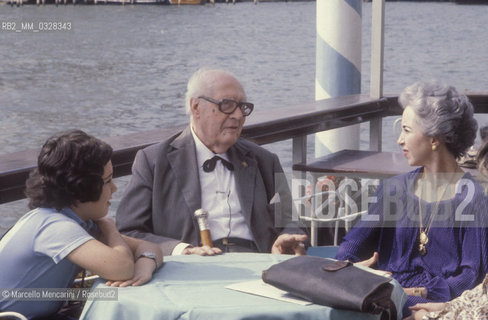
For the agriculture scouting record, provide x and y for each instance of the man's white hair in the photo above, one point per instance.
(200, 83)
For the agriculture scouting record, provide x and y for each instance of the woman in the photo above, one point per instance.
(67, 230)
(472, 304)
(422, 228)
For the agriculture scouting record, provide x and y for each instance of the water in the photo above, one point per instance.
(123, 69)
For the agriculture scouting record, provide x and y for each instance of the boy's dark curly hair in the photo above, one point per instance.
(69, 169)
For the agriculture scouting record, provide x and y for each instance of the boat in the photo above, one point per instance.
(102, 2)
(123, 2)
(471, 1)
(185, 2)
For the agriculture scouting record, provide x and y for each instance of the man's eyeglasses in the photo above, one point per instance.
(228, 106)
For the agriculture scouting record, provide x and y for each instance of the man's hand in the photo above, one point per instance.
(290, 244)
(203, 251)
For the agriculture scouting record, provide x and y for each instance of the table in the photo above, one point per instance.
(193, 287)
(358, 163)
(362, 164)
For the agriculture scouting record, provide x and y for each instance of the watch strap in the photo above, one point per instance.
(149, 255)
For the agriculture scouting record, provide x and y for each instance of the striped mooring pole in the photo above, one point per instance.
(338, 65)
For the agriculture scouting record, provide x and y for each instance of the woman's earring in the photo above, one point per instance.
(434, 147)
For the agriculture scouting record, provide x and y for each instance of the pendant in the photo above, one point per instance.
(422, 250)
(423, 241)
(423, 238)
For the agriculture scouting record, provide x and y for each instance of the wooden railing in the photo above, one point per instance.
(266, 126)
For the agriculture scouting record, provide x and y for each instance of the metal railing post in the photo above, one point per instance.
(299, 155)
(377, 52)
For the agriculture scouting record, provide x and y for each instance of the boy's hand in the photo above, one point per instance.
(143, 273)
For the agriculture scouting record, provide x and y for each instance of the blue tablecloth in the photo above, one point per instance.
(193, 287)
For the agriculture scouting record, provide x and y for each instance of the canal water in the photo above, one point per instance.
(114, 70)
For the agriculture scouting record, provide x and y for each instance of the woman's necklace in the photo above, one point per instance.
(423, 232)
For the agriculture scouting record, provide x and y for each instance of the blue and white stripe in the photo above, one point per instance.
(338, 55)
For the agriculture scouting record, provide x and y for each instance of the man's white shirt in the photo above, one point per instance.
(219, 198)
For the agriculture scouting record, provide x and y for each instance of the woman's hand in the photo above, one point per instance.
(429, 307)
(416, 315)
(417, 292)
(420, 309)
(369, 262)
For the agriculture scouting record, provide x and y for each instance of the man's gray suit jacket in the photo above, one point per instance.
(159, 202)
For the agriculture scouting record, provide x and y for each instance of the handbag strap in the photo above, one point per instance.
(387, 314)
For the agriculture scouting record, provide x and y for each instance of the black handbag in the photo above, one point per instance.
(333, 283)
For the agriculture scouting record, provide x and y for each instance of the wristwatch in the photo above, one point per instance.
(150, 255)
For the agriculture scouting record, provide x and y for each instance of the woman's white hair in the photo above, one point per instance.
(442, 113)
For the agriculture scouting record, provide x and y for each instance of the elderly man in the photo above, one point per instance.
(209, 166)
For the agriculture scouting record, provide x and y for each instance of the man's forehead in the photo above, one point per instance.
(226, 84)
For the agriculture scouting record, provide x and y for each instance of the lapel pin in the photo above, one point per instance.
(244, 164)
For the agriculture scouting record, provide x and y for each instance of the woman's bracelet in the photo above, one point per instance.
(418, 292)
